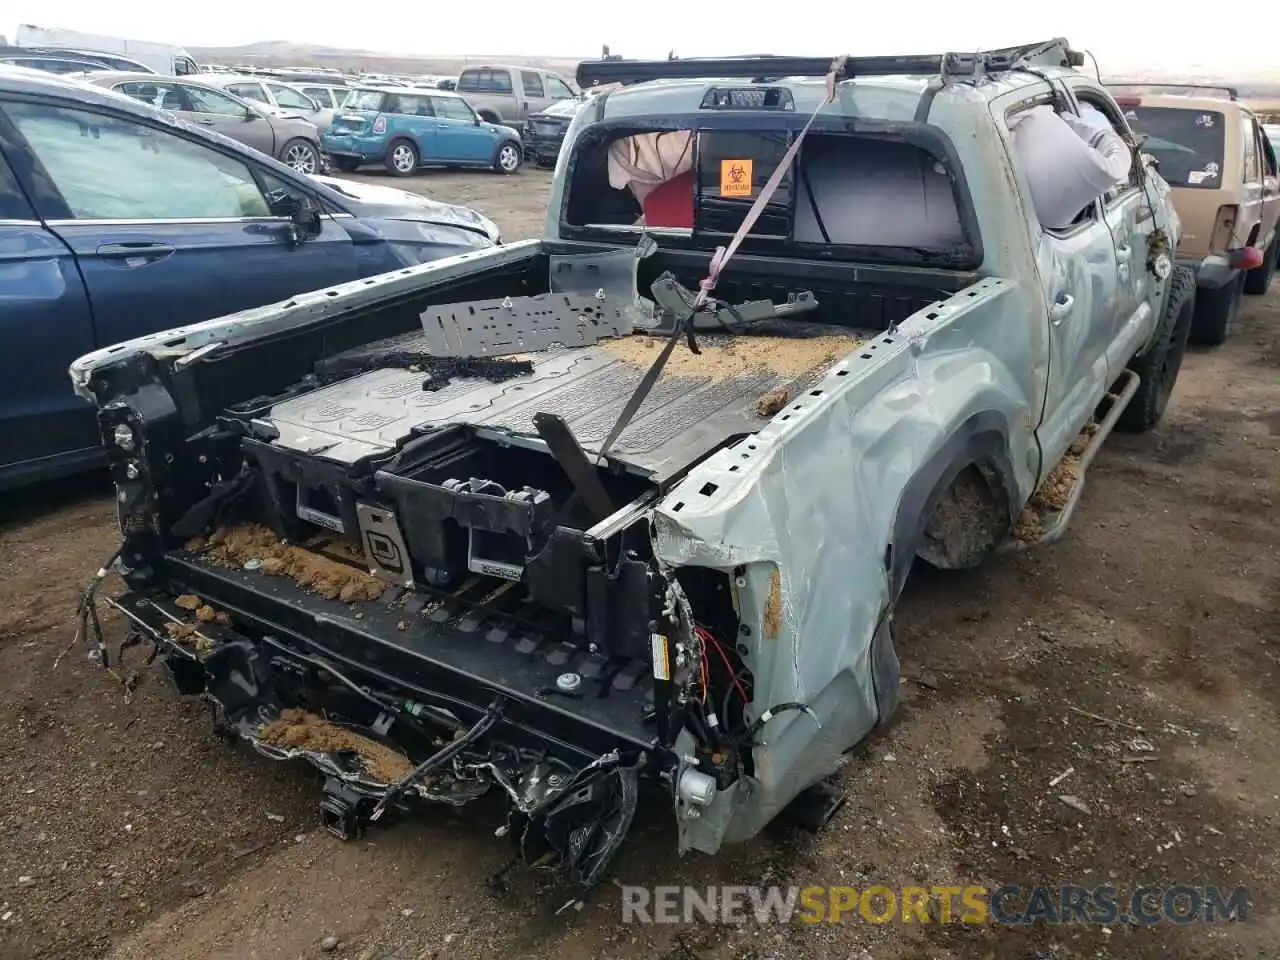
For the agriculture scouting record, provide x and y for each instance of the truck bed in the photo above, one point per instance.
(701, 401)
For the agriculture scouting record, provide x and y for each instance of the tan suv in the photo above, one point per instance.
(1222, 168)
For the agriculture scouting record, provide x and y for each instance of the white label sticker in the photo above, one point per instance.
(1205, 120)
(661, 665)
(1197, 177)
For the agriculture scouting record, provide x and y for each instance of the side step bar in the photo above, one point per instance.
(1042, 522)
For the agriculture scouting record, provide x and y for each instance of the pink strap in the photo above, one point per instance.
(723, 254)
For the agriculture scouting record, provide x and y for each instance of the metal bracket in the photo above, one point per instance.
(676, 301)
(512, 325)
(340, 810)
(568, 454)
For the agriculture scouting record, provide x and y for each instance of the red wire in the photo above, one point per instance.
(706, 635)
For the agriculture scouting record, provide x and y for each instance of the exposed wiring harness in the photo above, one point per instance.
(747, 733)
(87, 614)
(439, 758)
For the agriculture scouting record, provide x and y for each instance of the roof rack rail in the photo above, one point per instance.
(1231, 92)
(612, 68)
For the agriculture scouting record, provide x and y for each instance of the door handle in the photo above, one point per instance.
(206, 122)
(143, 248)
(1061, 308)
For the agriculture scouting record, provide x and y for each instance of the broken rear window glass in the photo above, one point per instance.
(1189, 143)
(843, 190)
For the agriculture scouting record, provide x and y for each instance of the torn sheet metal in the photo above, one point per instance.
(802, 516)
(616, 272)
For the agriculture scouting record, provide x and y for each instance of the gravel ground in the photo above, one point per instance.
(129, 831)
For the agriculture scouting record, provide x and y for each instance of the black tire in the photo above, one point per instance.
(1216, 312)
(1258, 280)
(346, 164)
(1158, 367)
(508, 157)
(402, 158)
(301, 155)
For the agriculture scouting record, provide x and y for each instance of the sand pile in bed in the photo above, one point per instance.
(783, 356)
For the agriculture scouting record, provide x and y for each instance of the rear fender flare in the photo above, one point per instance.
(982, 440)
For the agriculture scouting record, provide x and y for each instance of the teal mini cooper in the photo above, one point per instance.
(406, 129)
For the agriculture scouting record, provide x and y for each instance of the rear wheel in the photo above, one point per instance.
(301, 155)
(1216, 312)
(508, 158)
(1158, 368)
(402, 158)
(1258, 280)
(346, 164)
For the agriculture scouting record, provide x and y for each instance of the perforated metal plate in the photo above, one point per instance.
(494, 328)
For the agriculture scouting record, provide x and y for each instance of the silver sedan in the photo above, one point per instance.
(290, 139)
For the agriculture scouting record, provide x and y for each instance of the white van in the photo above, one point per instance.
(161, 57)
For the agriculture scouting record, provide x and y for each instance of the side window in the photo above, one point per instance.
(469, 81)
(1268, 152)
(532, 84)
(1249, 143)
(450, 108)
(250, 91)
(164, 96)
(1038, 139)
(1099, 110)
(212, 101)
(112, 168)
(321, 95)
(184, 67)
(557, 89)
(288, 97)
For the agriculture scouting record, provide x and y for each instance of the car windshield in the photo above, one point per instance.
(364, 100)
(1188, 142)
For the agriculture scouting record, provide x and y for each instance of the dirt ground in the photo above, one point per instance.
(128, 831)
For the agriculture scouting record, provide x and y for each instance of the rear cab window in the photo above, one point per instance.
(485, 80)
(876, 198)
(1189, 143)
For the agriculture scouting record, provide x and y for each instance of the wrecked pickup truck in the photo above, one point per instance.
(625, 511)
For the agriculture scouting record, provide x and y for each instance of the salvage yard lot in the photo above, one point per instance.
(1141, 652)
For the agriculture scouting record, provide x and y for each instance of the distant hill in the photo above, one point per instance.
(282, 53)
(1263, 84)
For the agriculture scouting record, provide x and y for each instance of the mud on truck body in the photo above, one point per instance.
(569, 522)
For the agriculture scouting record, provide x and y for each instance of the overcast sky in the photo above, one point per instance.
(1119, 34)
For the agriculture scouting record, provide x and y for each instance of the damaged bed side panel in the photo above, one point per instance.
(807, 510)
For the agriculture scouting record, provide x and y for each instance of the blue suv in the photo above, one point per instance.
(118, 219)
(406, 129)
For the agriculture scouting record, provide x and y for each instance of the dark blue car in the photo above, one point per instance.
(117, 220)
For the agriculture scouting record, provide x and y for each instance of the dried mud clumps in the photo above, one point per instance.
(1055, 490)
(781, 356)
(300, 730)
(771, 402)
(187, 635)
(328, 578)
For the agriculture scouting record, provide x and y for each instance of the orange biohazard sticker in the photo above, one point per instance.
(735, 178)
